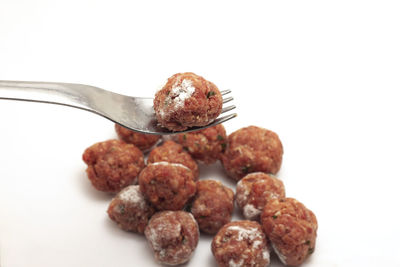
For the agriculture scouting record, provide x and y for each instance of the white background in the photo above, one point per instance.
(324, 75)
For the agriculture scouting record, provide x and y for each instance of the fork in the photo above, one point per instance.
(134, 113)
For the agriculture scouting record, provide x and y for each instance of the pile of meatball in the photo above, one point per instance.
(161, 196)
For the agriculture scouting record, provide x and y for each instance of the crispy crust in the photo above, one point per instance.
(291, 228)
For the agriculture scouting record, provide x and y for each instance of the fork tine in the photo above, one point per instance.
(229, 108)
(224, 119)
(226, 100)
(225, 92)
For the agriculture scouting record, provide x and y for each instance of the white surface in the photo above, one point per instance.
(324, 75)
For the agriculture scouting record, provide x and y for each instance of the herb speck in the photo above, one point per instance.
(223, 145)
(210, 94)
(121, 209)
(246, 169)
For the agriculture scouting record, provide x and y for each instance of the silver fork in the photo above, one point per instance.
(135, 113)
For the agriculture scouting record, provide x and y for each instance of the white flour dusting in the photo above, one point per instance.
(251, 212)
(132, 194)
(152, 237)
(254, 237)
(181, 92)
(243, 233)
(257, 243)
(255, 174)
(232, 263)
(162, 230)
(241, 186)
(265, 254)
(165, 163)
(177, 96)
(280, 255)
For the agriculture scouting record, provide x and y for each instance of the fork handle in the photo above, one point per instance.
(73, 95)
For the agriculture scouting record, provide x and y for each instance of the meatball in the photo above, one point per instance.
(187, 100)
(113, 165)
(168, 186)
(173, 236)
(130, 210)
(291, 228)
(252, 149)
(241, 243)
(140, 140)
(254, 191)
(212, 206)
(174, 153)
(205, 145)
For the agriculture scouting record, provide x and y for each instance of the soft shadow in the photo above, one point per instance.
(138, 241)
(274, 260)
(237, 215)
(207, 237)
(113, 228)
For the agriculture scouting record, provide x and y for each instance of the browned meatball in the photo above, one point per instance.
(168, 186)
(252, 149)
(187, 100)
(241, 243)
(140, 140)
(112, 165)
(173, 235)
(254, 191)
(205, 145)
(130, 210)
(174, 153)
(291, 228)
(212, 206)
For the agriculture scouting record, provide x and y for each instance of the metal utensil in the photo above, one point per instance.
(135, 113)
